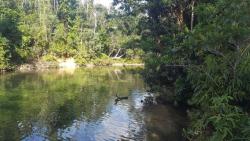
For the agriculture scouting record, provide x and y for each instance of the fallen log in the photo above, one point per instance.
(118, 98)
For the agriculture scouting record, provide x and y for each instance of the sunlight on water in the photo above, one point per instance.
(79, 105)
(64, 71)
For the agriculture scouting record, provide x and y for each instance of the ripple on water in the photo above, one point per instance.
(115, 125)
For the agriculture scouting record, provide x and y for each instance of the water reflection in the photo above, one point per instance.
(79, 105)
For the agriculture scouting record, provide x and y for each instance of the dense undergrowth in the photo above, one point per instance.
(202, 49)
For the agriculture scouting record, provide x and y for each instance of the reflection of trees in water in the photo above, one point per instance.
(168, 125)
(49, 101)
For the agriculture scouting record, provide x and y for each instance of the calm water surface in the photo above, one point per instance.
(78, 105)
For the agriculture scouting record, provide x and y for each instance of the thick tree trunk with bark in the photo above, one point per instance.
(179, 16)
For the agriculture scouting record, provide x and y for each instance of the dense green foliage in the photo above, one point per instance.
(32, 30)
(201, 47)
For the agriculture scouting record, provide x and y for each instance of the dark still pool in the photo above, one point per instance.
(79, 105)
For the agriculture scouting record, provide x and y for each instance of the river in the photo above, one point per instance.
(79, 105)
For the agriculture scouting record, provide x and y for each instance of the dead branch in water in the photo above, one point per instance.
(118, 98)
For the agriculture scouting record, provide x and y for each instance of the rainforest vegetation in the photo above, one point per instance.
(201, 47)
(34, 30)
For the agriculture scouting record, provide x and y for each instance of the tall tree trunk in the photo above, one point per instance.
(44, 20)
(54, 5)
(179, 16)
(192, 15)
(95, 21)
(87, 8)
(40, 13)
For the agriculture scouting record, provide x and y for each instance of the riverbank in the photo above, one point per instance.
(70, 63)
